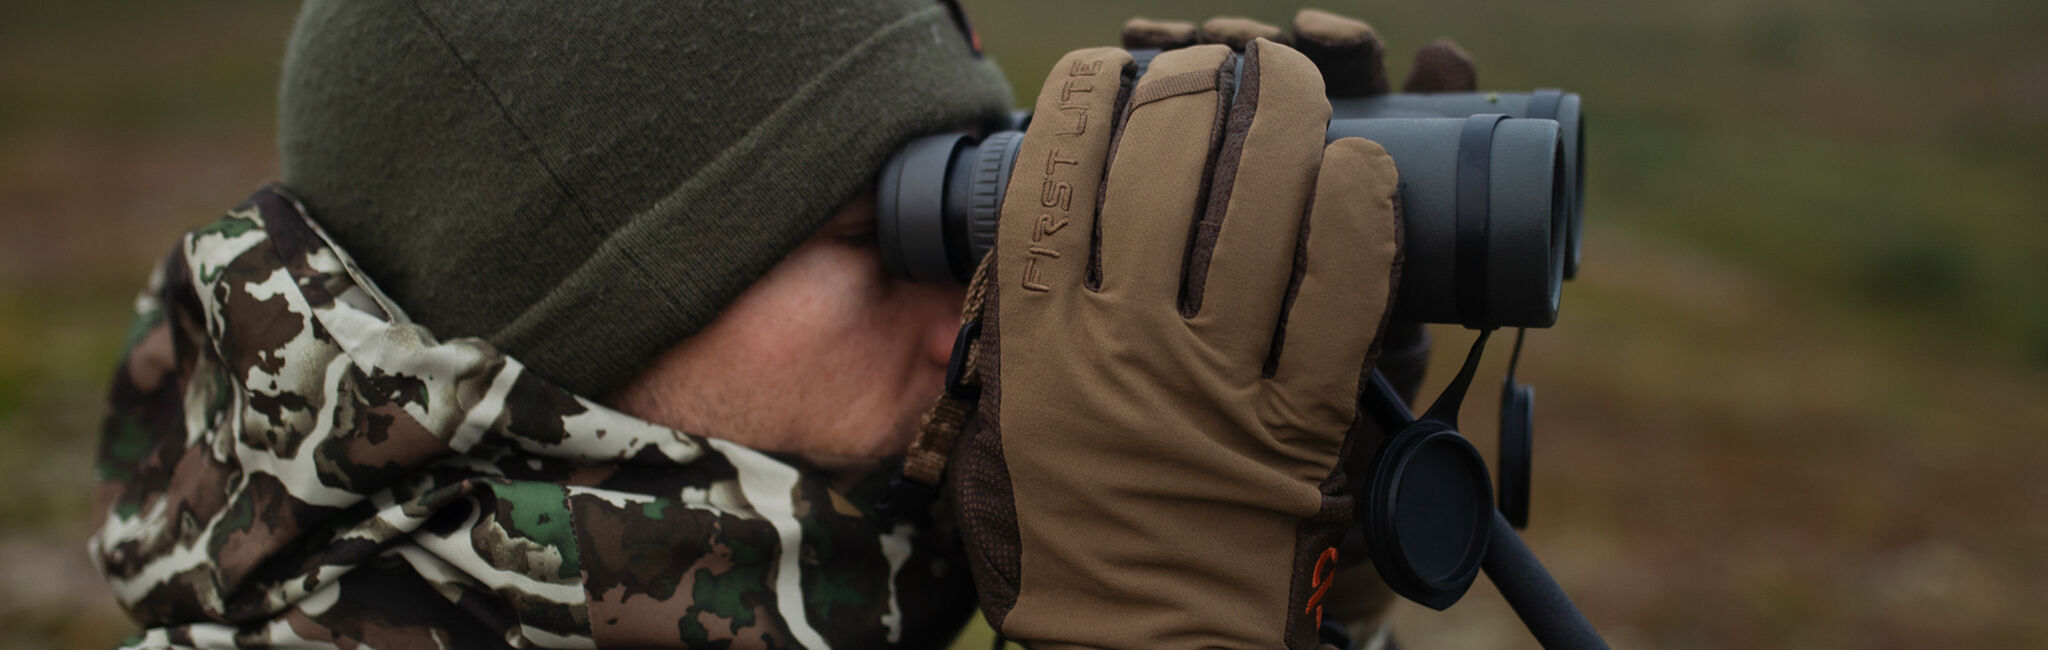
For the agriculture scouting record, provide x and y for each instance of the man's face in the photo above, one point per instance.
(827, 354)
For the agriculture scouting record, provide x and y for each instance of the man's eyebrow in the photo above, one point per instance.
(849, 224)
(846, 223)
(858, 213)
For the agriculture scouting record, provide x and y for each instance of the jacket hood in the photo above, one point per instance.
(288, 458)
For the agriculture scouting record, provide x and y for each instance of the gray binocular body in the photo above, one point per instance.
(1491, 191)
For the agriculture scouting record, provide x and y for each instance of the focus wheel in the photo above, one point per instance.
(987, 181)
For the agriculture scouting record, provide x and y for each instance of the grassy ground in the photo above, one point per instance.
(1798, 397)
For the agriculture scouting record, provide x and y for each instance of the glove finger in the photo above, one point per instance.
(1243, 255)
(1148, 34)
(1157, 174)
(1348, 51)
(1043, 239)
(1442, 67)
(1346, 284)
(1236, 31)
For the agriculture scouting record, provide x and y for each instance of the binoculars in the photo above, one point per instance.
(1492, 197)
(1492, 194)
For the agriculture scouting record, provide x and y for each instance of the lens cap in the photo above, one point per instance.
(1517, 444)
(1428, 514)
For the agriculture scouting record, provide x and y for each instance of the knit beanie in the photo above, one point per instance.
(585, 184)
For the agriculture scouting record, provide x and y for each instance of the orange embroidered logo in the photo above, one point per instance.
(1325, 573)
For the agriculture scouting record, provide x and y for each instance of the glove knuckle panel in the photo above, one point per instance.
(1244, 256)
(1158, 174)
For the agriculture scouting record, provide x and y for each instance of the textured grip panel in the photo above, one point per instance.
(989, 179)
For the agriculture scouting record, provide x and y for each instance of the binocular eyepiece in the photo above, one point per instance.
(1492, 188)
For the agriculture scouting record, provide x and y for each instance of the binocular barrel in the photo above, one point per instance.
(1485, 216)
(1485, 209)
(1541, 104)
(1544, 104)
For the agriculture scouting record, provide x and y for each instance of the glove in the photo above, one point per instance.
(1352, 61)
(1346, 51)
(1176, 318)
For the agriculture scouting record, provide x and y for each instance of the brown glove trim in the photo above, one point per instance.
(1293, 291)
(1144, 33)
(1441, 67)
(1328, 29)
(1346, 50)
(1092, 278)
(1237, 32)
(1223, 179)
(1318, 535)
(925, 463)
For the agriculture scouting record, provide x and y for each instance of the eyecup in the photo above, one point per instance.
(910, 209)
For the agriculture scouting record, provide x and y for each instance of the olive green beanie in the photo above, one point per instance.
(585, 184)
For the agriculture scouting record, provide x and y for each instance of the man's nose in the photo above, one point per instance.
(939, 311)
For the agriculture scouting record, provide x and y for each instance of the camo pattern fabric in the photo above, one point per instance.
(288, 460)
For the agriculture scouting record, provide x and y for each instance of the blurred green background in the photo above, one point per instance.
(1798, 396)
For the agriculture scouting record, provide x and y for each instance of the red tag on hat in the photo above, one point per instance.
(966, 29)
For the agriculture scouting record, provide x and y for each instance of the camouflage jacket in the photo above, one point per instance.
(287, 459)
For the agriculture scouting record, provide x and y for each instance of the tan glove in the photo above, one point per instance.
(1353, 62)
(1176, 320)
(1346, 50)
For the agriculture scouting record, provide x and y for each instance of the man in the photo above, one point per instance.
(563, 327)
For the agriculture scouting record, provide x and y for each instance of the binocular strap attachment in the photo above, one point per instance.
(1430, 523)
(913, 490)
